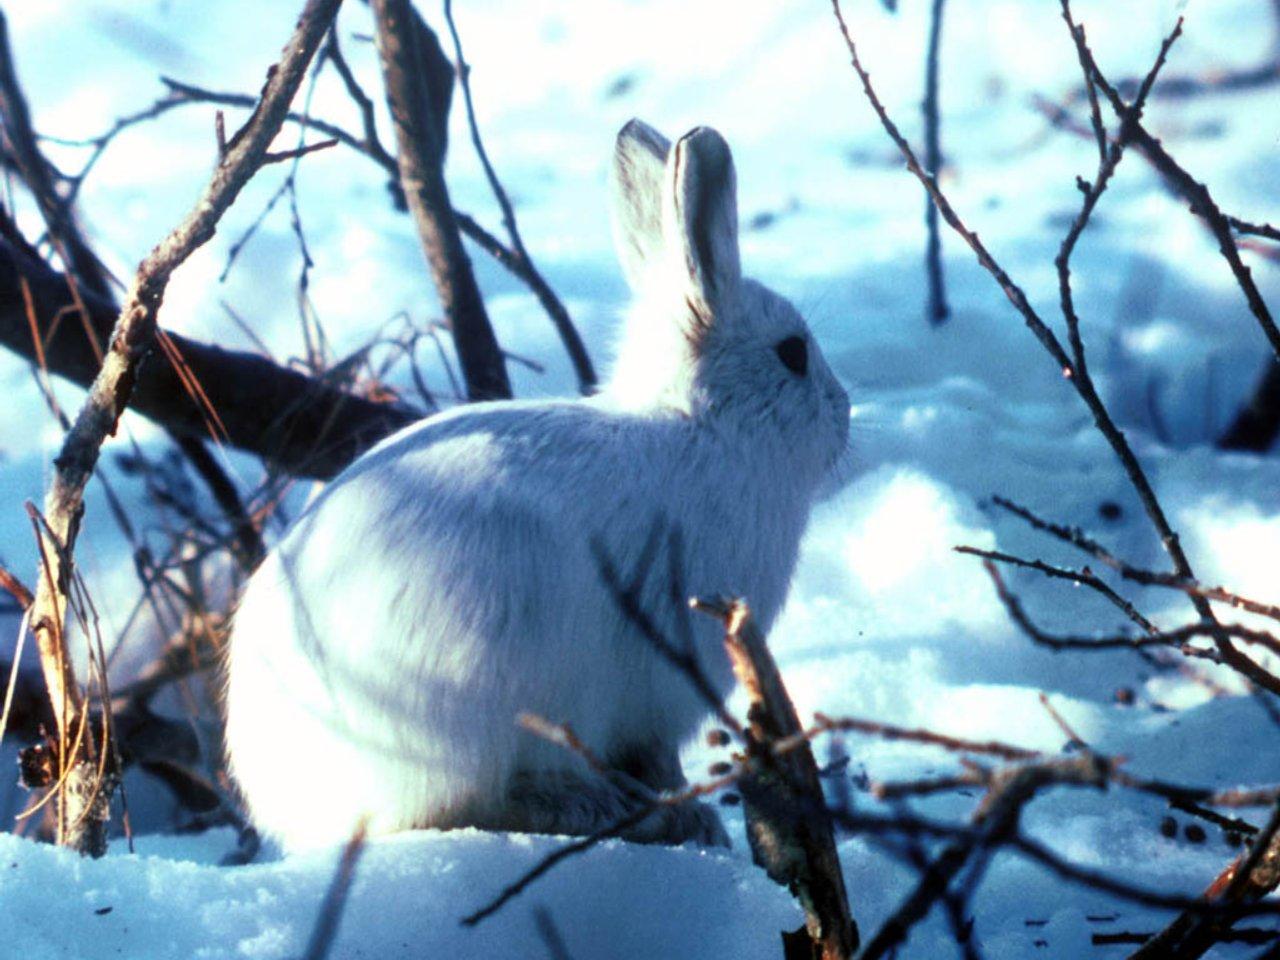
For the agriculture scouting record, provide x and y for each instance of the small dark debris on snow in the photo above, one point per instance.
(1169, 827)
(1110, 510)
(621, 86)
(103, 911)
(1194, 833)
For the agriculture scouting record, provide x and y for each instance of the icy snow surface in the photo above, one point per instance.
(884, 621)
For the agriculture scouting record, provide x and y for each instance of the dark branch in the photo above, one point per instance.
(301, 424)
(406, 47)
(551, 304)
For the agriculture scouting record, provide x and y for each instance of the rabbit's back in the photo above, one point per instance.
(450, 580)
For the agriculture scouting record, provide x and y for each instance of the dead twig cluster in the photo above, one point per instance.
(789, 819)
(1152, 636)
(780, 795)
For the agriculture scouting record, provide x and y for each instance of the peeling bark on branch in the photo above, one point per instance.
(787, 821)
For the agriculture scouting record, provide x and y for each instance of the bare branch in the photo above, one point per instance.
(1198, 197)
(1176, 638)
(937, 309)
(1011, 290)
(1085, 578)
(1084, 387)
(370, 146)
(995, 822)
(132, 340)
(20, 140)
(281, 156)
(787, 821)
(404, 44)
(886, 731)
(1254, 229)
(1252, 876)
(1151, 578)
(302, 424)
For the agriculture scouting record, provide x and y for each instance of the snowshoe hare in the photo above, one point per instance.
(451, 578)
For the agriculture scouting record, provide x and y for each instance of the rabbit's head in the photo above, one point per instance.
(704, 340)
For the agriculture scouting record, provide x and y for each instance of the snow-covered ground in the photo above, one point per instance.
(885, 621)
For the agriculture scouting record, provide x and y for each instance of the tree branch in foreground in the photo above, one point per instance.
(370, 146)
(524, 267)
(1071, 368)
(936, 309)
(132, 341)
(788, 826)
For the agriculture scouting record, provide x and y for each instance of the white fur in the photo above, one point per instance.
(450, 578)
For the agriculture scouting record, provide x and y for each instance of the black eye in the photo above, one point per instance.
(794, 354)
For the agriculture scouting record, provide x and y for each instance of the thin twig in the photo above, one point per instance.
(1151, 578)
(1102, 417)
(1177, 637)
(573, 345)
(1085, 578)
(1201, 202)
(937, 309)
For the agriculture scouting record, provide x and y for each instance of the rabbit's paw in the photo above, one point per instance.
(691, 821)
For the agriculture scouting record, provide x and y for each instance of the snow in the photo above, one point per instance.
(408, 894)
(885, 621)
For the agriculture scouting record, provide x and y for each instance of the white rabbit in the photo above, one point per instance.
(451, 578)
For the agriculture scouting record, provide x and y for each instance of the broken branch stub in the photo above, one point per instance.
(788, 825)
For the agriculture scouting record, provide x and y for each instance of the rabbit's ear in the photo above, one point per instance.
(639, 161)
(701, 219)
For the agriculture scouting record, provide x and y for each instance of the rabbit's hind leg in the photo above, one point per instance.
(565, 803)
(657, 766)
(560, 802)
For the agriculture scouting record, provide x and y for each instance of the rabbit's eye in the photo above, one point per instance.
(794, 354)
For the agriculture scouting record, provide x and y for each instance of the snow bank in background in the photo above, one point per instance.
(885, 621)
(891, 534)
